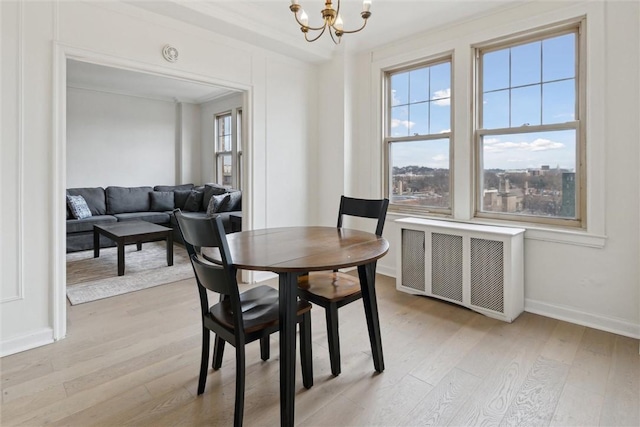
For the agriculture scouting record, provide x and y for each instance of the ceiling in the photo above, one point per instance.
(270, 24)
(84, 75)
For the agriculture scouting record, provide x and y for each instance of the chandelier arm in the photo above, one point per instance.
(333, 38)
(318, 36)
(352, 31)
(295, 15)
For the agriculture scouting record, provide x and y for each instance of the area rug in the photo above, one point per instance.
(90, 279)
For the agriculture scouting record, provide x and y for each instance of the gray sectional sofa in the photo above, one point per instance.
(153, 204)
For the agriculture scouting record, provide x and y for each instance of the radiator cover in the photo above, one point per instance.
(480, 267)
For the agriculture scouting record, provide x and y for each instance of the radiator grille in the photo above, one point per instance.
(487, 274)
(413, 259)
(446, 266)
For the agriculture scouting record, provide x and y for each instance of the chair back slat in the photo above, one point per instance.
(213, 277)
(364, 208)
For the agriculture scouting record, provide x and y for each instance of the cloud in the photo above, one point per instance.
(495, 146)
(442, 97)
(394, 99)
(405, 123)
(439, 158)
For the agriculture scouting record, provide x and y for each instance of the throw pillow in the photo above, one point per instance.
(212, 190)
(194, 201)
(161, 201)
(78, 207)
(217, 204)
(235, 202)
(180, 198)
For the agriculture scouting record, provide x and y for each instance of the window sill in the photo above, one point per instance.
(533, 232)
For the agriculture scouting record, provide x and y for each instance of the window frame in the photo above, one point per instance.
(578, 124)
(389, 140)
(236, 155)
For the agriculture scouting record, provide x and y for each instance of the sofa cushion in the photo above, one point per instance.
(94, 196)
(235, 202)
(161, 201)
(212, 189)
(194, 201)
(180, 197)
(155, 217)
(181, 187)
(78, 207)
(217, 203)
(86, 224)
(127, 199)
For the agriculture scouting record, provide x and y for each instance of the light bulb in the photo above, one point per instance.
(366, 5)
(304, 18)
(338, 25)
(294, 1)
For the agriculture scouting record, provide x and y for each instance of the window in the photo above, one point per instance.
(529, 143)
(418, 137)
(228, 148)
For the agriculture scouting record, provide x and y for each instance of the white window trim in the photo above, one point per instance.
(593, 235)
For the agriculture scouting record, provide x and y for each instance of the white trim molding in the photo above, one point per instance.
(26, 342)
(596, 321)
(19, 212)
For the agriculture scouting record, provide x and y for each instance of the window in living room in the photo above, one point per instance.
(418, 137)
(229, 148)
(529, 129)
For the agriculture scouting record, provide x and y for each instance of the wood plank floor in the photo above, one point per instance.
(134, 360)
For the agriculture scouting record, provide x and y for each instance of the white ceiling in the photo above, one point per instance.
(271, 25)
(115, 80)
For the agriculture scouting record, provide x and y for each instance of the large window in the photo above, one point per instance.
(529, 144)
(418, 137)
(229, 148)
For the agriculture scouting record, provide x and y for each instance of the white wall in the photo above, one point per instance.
(189, 144)
(565, 276)
(114, 139)
(37, 37)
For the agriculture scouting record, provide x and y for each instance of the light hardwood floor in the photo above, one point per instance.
(134, 360)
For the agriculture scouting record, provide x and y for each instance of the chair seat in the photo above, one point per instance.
(331, 286)
(259, 309)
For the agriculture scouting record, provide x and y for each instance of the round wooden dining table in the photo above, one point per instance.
(291, 251)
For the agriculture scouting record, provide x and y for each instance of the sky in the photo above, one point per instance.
(525, 85)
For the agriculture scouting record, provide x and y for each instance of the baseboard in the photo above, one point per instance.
(386, 271)
(567, 314)
(263, 276)
(26, 342)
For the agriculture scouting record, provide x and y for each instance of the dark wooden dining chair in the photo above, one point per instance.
(333, 290)
(239, 318)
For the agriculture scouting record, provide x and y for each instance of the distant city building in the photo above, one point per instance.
(568, 209)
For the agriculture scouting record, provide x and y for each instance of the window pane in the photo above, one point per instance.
(495, 70)
(495, 110)
(525, 64)
(440, 81)
(400, 125)
(440, 118)
(419, 118)
(558, 57)
(420, 173)
(419, 85)
(224, 165)
(525, 106)
(530, 174)
(558, 101)
(400, 89)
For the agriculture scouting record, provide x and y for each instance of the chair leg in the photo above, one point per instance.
(204, 360)
(305, 350)
(331, 313)
(265, 350)
(218, 352)
(240, 371)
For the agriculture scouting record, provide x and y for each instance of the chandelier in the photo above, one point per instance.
(332, 20)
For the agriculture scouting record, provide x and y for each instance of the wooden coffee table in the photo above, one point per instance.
(127, 232)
